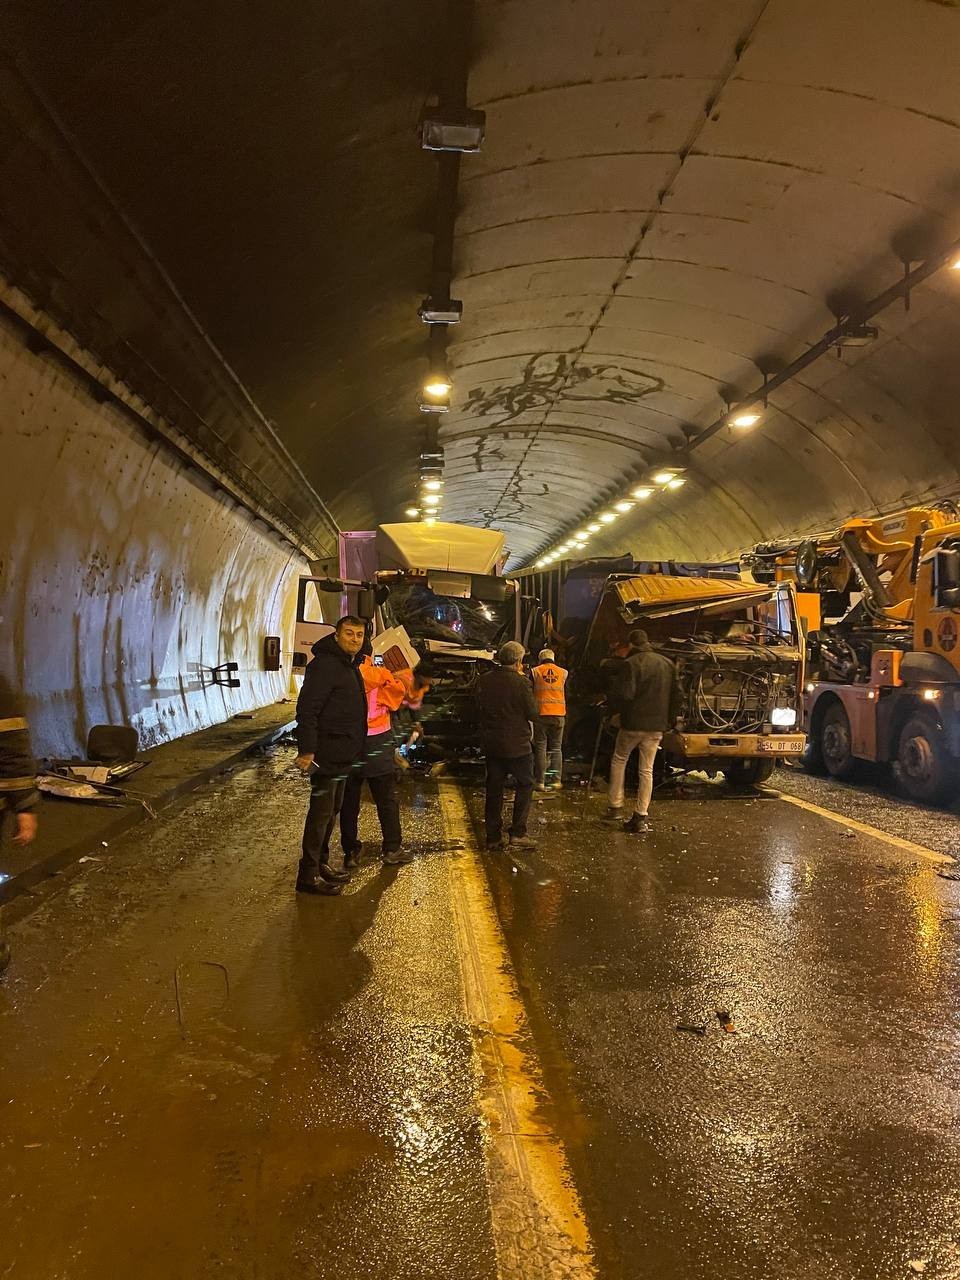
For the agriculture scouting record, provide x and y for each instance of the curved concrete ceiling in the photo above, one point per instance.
(672, 199)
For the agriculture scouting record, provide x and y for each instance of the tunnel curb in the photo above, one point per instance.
(20, 894)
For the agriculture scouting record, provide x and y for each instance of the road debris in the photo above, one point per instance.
(726, 1022)
(694, 1028)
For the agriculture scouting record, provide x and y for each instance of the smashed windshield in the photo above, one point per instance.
(474, 624)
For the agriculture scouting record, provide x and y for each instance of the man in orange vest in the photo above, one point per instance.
(548, 688)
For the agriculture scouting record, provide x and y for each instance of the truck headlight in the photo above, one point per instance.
(783, 717)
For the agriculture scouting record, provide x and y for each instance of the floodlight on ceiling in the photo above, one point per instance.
(858, 335)
(413, 512)
(665, 475)
(643, 492)
(432, 486)
(432, 457)
(431, 499)
(443, 311)
(623, 507)
(439, 405)
(595, 527)
(608, 517)
(438, 386)
(582, 535)
(676, 483)
(748, 418)
(452, 129)
(430, 520)
(955, 265)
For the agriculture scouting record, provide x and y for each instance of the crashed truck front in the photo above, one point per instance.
(738, 651)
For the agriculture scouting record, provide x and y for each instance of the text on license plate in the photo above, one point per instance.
(778, 746)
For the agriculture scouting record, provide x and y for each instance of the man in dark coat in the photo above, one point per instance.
(18, 792)
(331, 736)
(646, 701)
(507, 712)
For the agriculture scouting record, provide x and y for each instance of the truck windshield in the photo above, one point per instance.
(471, 623)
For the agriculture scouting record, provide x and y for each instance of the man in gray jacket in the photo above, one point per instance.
(646, 699)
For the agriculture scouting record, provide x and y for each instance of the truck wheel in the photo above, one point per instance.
(836, 743)
(747, 773)
(925, 768)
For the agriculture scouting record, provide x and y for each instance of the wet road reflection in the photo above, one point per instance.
(817, 1135)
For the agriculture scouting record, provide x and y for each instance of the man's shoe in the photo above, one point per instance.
(333, 876)
(539, 786)
(522, 842)
(322, 887)
(613, 814)
(495, 846)
(397, 858)
(636, 825)
(555, 786)
(353, 858)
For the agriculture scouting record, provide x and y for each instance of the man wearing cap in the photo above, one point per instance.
(646, 702)
(507, 714)
(548, 690)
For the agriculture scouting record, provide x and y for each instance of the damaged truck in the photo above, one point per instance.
(738, 650)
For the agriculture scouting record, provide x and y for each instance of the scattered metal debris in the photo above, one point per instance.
(694, 1028)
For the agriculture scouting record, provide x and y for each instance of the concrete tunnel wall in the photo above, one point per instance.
(125, 573)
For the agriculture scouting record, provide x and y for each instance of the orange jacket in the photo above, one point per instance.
(548, 682)
(385, 691)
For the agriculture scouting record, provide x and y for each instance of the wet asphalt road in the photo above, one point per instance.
(821, 1137)
(310, 1109)
(206, 1076)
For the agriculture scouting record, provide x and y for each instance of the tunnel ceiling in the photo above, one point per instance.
(672, 199)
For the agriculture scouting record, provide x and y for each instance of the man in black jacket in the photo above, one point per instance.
(18, 792)
(507, 712)
(646, 702)
(331, 736)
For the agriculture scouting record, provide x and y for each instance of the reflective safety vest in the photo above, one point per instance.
(548, 682)
(385, 693)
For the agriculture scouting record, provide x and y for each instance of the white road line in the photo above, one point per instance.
(908, 846)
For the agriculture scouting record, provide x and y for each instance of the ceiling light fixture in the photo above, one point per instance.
(437, 385)
(663, 477)
(676, 483)
(413, 511)
(643, 492)
(452, 129)
(595, 527)
(446, 311)
(623, 507)
(435, 406)
(748, 418)
(608, 517)
(430, 520)
(431, 499)
(433, 485)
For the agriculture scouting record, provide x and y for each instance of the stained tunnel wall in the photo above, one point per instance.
(126, 574)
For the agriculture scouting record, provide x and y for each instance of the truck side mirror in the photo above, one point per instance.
(946, 578)
(366, 603)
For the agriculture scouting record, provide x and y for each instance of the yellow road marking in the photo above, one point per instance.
(538, 1223)
(908, 846)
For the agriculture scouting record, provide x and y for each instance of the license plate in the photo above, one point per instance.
(777, 746)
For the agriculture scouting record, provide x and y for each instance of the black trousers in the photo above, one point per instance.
(326, 797)
(498, 767)
(383, 788)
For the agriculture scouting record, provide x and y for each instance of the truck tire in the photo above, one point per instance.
(836, 743)
(925, 768)
(748, 773)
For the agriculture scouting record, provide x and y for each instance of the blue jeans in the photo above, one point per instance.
(548, 741)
